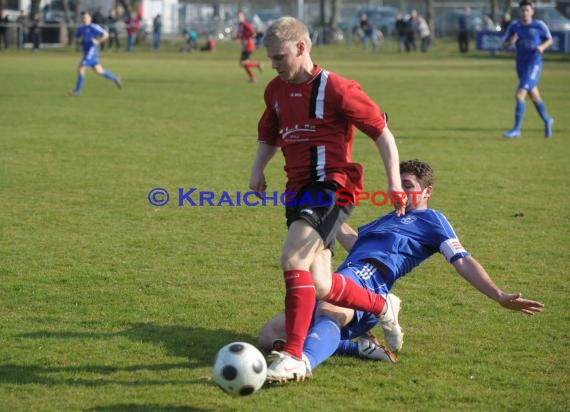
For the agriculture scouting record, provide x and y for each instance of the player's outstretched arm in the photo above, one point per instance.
(474, 273)
(386, 144)
(265, 153)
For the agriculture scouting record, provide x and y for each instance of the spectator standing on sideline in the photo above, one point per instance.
(35, 32)
(423, 30)
(400, 26)
(99, 19)
(410, 33)
(368, 33)
(505, 22)
(22, 31)
(113, 30)
(4, 20)
(463, 35)
(133, 23)
(156, 32)
(531, 38)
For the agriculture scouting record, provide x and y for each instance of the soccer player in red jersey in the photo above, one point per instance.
(246, 34)
(310, 114)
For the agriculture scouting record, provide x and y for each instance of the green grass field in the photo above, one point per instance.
(110, 304)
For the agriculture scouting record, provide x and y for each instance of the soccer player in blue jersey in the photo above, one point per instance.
(91, 35)
(385, 250)
(531, 38)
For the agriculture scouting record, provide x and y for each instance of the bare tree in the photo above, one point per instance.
(34, 8)
(494, 8)
(429, 14)
(322, 12)
(335, 15)
(507, 6)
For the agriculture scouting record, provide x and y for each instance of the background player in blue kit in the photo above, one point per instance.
(531, 38)
(91, 35)
(385, 250)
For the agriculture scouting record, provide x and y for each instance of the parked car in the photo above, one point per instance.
(262, 18)
(447, 23)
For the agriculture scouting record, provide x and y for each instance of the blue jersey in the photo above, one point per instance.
(87, 34)
(402, 243)
(530, 36)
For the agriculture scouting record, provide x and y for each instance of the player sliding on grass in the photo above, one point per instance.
(531, 38)
(311, 113)
(385, 250)
(91, 35)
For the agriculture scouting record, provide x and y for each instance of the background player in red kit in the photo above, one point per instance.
(246, 34)
(310, 114)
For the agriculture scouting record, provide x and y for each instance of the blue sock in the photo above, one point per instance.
(347, 348)
(519, 113)
(79, 84)
(108, 75)
(322, 340)
(541, 109)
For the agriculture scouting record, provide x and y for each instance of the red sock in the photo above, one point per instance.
(299, 304)
(247, 67)
(346, 293)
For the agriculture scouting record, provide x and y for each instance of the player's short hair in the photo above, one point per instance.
(419, 169)
(526, 3)
(287, 29)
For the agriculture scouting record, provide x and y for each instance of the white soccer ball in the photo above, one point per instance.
(240, 369)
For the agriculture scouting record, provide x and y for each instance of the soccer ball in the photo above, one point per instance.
(240, 369)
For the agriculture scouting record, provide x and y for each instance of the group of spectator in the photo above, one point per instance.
(413, 26)
(27, 30)
(407, 27)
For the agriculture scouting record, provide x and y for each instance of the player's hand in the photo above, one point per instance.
(399, 200)
(257, 183)
(515, 301)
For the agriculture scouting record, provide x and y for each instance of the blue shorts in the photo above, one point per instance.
(89, 61)
(367, 276)
(529, 75)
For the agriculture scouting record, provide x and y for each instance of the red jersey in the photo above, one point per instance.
(313, 123)
(245, 34)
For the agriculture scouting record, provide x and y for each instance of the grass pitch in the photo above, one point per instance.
(110, 304)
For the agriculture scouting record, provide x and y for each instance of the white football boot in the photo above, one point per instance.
(389, 323)
(285, 367)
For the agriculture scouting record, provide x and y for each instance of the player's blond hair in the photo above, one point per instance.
(287, 29)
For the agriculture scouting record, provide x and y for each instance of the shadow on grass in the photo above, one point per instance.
(144, 408)
(198, 344)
